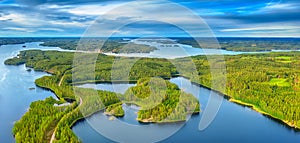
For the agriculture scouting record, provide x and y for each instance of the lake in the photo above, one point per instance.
(233, 123)
(176, 50)
(17, 89)
(171, 51)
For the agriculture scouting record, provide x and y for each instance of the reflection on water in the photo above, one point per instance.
(234, 123)
(171, 50)
(17, 88)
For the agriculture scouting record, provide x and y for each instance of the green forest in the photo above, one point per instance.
(268, 82)
(116, 45)
(160, 102)
(249, 44)
(89, 101)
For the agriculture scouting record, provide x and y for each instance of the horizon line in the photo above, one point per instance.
(144, 37)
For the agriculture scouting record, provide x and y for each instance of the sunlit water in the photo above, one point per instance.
(234, 123)
(15, 92)
(176, 50)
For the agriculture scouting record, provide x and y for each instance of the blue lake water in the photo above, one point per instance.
(15, 95)
(171, 51)
(234, 123)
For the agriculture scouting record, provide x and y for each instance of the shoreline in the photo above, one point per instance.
(165, 121)
(227, 97)
(253, 107)
(256, 109)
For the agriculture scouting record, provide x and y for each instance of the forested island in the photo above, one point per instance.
(58, 120)
(250, 44)
(267, 82)
(116, 45)
(113, 45)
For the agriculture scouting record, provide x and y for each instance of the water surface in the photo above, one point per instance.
(171, 51)
(15, 92)
(233, 123)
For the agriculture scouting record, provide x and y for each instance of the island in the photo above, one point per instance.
(266, 82)
(251, 44)
(174, 105)
(111, 45)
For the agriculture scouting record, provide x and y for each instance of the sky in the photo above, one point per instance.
(175, 18)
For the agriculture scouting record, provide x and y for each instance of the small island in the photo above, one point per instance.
(174, 107)
(167, 104)
(31, 88)
(272, 89)
(115, 45)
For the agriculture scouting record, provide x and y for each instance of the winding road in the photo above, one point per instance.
(80, 102)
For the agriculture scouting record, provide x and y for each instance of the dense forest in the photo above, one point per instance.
(38, 124)
(13, 40)
(268, 82)
(88, 101)
(116, 45)
(250, 44)
(161, 101)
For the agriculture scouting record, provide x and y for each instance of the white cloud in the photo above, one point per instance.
(270, 7)
(279, 6)
(69, 24)
(17, 29)
(94, 10)
(72, 18)
(51, 29)
(138, 11)
(23, 19)
(262, 28)
(53, 6)
(149, 10)
(31, 30)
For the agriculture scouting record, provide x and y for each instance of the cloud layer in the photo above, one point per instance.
(250, 18)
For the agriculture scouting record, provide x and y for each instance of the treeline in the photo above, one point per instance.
(63, 132)
(115, 45)
(44, 119)
(115, 110)
(6, 41)
(38, 124)
(250, 44)
(249, 77)
(109, 68)
(161, 101)
(88, 101)
(59, 120)
(270, 82)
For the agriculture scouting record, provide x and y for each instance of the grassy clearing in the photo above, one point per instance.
(279, 82)
(284, 59)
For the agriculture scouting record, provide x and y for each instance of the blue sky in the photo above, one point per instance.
(225, 18)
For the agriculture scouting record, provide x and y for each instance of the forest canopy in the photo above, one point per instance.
(268, 82)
